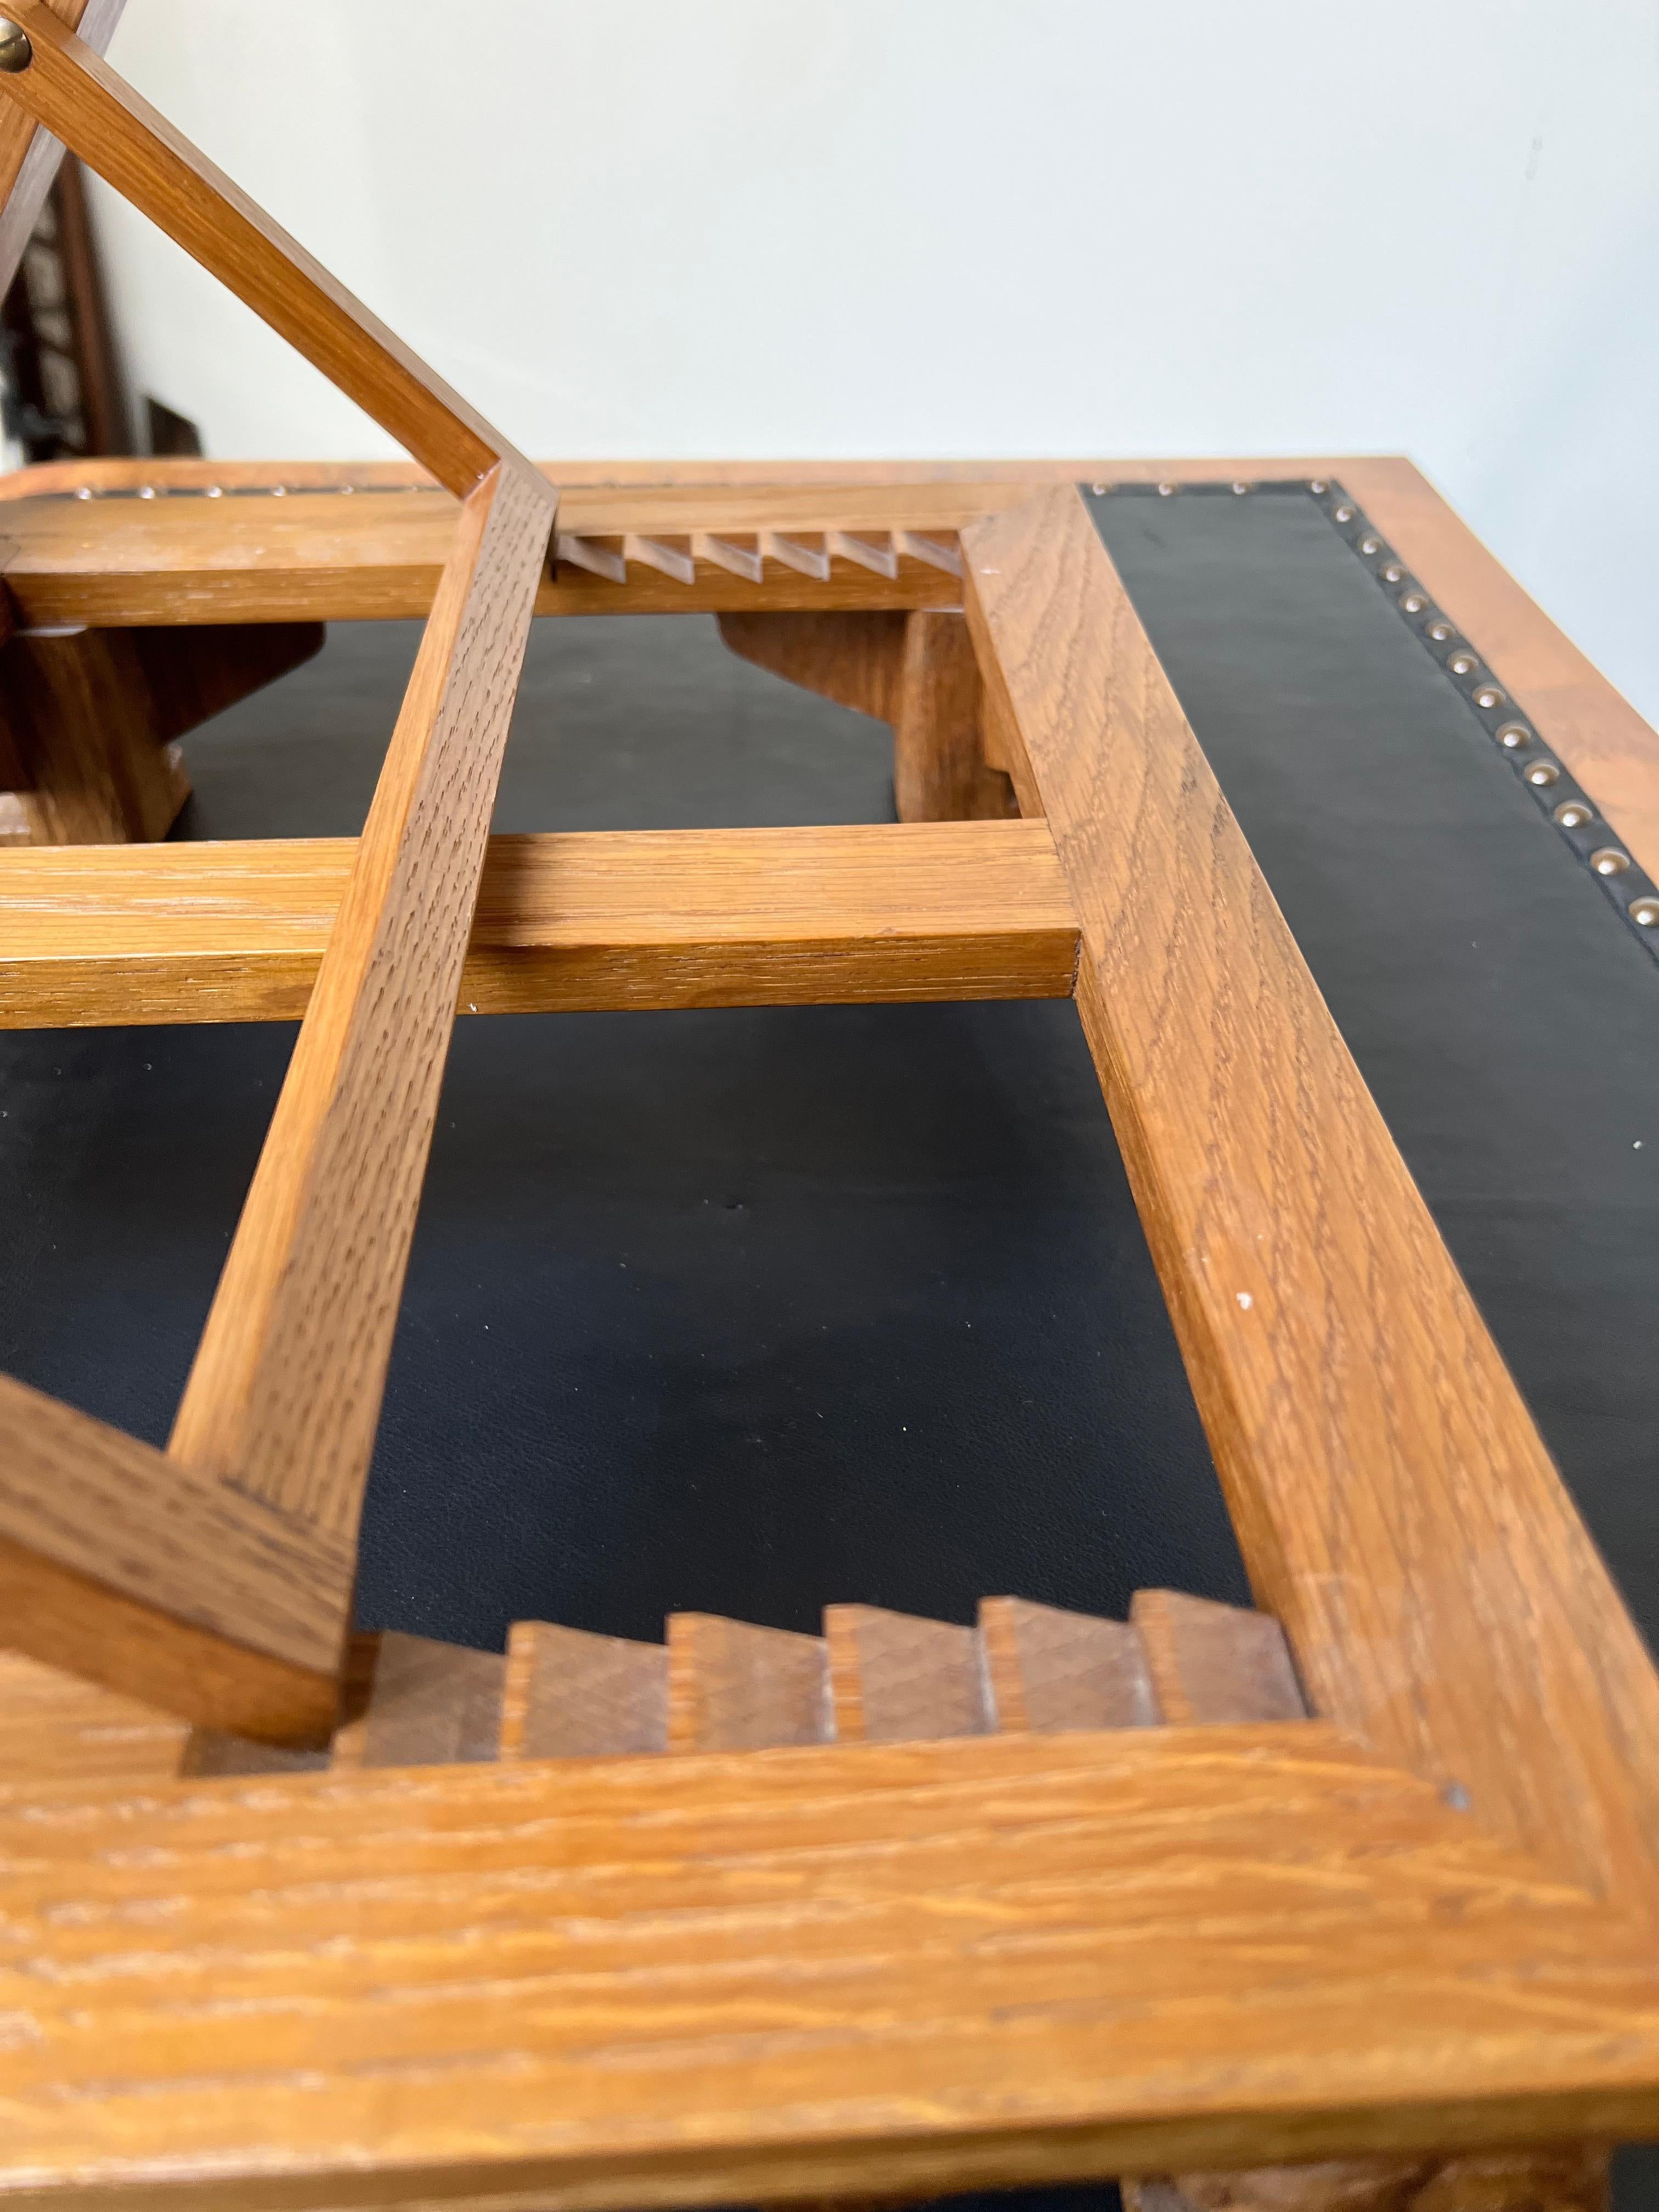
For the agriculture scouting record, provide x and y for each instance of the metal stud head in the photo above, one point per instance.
(146, 491)
(16, 51)
(1512, 735)
(1166, 491)
(1609, 860)
(1099, 490)
(1411, 603)
(1343, 514)
(1239, 490)
(1542, 774)
(84, 492)
(1440, 631)
(1462, 664)
(1370, 545)
(1318, 487)
(1488, 695)
(1391, 572)
(1644, 913)
(1573, 813)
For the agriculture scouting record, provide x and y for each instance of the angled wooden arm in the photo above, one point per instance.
(69, 88)
(116, 1562)
(285, 1391)
(29, 156)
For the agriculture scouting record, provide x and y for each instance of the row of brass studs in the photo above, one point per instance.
(1568, 807)
(1630, 891)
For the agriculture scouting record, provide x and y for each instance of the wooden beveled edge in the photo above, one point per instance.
(29, 156)
(1396, 1505)
(284, 1395)
(120, 1565)
(1096, 2003)
(71, 90)
(95, 935)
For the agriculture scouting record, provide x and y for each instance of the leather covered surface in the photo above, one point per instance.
(1503, 1013)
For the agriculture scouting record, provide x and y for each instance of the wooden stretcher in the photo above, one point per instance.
(1344, 1903)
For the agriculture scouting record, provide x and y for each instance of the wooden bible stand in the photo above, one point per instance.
(1348, 1903)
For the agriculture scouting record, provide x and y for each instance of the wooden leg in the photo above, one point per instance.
(91, 717)
(916, 670)
(939, 770)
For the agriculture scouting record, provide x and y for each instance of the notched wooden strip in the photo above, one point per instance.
(734, 1687)
(1213, 1662)
(896, 1678)
(570, 1694)
(1050, 1670)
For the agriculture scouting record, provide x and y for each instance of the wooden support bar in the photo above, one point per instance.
(1356, 1407)
(658, 1982)
(122, 1565)
(734, 1687)
(69, 88)
(895, 1677)
(91, 717)
(636, 919)
(570, 1694)
(940, 772)
(284, 1395)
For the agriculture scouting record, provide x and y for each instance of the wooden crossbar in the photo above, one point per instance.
(203, 932)
(285, 1396)
(282, 1400)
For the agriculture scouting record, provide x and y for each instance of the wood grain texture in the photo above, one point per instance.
(940, 772)
(126, 1568)
(425, 1703)
(1570, 2179)
(1049, 1670)
(73, 92)
(378, 554)
(856, 660)
(895, 1677)
(284, 1394)
(735, 1687)
(29, 157)
(1211, 1662)
(85, 732)
(851, 1969)
(57, 1728)
(570, 1694)
(638, 919)
(1395, 1506)
(91, 716)
(1216, 1665)
(1613, 752)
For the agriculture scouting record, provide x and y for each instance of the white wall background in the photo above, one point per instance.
(931, 228)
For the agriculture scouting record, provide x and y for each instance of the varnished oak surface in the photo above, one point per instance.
(1395, 1506)
(284, 1394)
(119, 1564)
(94, 934)
(709, 1979)
(71, 89)
(173, 563)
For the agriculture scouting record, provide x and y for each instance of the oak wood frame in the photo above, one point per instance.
(892, 1967)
